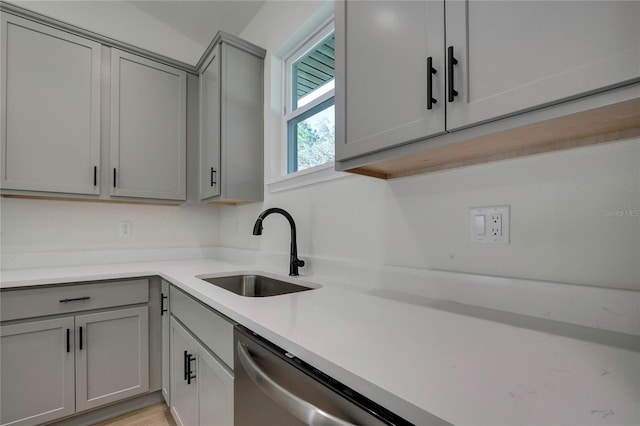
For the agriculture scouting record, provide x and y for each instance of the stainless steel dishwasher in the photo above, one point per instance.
(274, 388)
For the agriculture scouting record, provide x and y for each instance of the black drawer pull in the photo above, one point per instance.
(95, 175)
(162, 309)
(75, 299)
(213, 173)
(190, 376)
(430, 72)
(114, 177)
(186, 367)
(80, 338)
(451, 62)
(68, 344)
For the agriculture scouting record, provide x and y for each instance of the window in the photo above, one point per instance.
(309, 109)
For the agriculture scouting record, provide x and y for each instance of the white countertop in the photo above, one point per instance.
(414, 359)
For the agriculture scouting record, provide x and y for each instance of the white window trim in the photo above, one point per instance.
(312, 175)
(301, 50)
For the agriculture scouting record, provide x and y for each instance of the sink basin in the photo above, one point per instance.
(255, 285)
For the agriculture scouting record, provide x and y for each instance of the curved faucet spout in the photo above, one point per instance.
(294, 262)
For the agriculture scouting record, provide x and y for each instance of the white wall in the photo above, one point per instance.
(123, 22)
(559, 230)
(559, 227)
(44, 225)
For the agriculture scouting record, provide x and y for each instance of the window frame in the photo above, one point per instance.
(326, 100)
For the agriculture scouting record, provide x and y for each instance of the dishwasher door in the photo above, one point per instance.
(273, 388)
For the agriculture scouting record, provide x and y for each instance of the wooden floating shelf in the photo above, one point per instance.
(606, 124)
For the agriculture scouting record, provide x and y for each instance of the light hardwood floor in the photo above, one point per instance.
(154, 415)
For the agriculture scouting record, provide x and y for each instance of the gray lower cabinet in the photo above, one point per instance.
(231, 122)
(37, 383)
(148, 128)
(165, 306)
(489, 60)
(50, 89)
(94, 351)
(113, 361)
(202, 388)
(201, 370)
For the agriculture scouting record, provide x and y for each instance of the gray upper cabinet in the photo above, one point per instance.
(210, 127)
(382, 95)
(514, 56)
(50, 109)
(148, 133)
(231, 122)
(490, 60)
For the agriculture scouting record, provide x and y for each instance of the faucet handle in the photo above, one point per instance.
(299, 263)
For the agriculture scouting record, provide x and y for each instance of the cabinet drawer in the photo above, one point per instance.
(211, 328)
(61, 299)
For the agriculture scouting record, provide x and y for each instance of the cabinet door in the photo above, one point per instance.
(148, 128)
(382, 75)
(37, 380)
(514, 56)
(184, 395)
(166, 353)
(209, 182)
(50, 109)
(215, 391)
(112, 356)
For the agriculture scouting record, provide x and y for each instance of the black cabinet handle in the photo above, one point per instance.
(114, 177)
(162, 309)
(80, 338)
(430, 72)
(68, 344)
(186, 366)
(190, 376)
(213, 171)
(75, 299)
(451, 61)
(95, 175)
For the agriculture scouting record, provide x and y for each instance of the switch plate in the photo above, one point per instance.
(125, 229)
(489, 224)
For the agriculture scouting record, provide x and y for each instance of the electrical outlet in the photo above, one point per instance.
(495, 225)
(125, 230)
(489, 224)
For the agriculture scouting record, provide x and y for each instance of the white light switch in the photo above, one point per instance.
(478, 224)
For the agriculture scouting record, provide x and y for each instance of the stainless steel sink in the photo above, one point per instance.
(255, 285)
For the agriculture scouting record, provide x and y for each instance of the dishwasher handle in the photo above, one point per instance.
(296, 406)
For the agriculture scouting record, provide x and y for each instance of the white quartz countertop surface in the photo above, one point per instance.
(431, 366)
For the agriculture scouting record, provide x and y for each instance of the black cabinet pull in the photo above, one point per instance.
(80, 338)
(95, 175)
(162, 309)
(75, 299)
(68, 344)
(451, 61)
(114, 177)
(213, 171)
(190, 376)
(430, 72)
(186, 366)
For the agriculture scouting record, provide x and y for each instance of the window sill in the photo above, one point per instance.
(306, 177)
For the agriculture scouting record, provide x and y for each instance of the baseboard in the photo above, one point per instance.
(110, 411)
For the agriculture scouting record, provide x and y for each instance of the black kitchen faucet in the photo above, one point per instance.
(294, 262)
